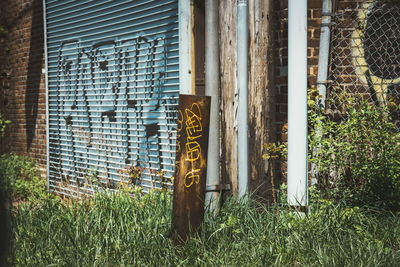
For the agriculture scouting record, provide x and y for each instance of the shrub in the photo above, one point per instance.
(358, 157)
(20, 177)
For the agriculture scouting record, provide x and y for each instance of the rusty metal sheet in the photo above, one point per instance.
(191, 164)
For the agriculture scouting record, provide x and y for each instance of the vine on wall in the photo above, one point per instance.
(5, 71)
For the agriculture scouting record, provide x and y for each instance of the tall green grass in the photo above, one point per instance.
(118, 230)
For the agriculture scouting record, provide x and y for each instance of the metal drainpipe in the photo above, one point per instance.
(212, 89)
(242, 109)
(297, 106)
(324, 42)
(323, 61)
(45, 71)
(185, 46)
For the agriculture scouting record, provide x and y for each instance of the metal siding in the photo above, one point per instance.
(113, 84)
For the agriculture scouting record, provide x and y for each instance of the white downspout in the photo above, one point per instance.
(212, 89)
(323, 58)
(297, 117)
(242, 112)
(185, 44)
(46, 75)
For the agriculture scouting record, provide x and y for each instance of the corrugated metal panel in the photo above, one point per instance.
(113, 85)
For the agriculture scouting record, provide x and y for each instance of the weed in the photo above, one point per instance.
(358, 156)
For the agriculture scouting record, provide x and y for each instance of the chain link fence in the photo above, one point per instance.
(365, 55)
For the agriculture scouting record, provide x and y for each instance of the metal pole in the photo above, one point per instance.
(323, 61)
(297, 117)
(45, 70)
(212, 89)
(242, 112)
(185, 44)
(323, 58)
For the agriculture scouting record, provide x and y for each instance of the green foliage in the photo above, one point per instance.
(3, 124)
(21, 177)
(101, 231)
(358, 157)
(275, 151)
(118, 230)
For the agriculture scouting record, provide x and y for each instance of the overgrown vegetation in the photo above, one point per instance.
(119, 230)
(20, 178)
(358, 159)
(354, 217)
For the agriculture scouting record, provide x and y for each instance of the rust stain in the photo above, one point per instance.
(191, 165)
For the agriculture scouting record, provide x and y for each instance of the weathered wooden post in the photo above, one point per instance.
(191, 165)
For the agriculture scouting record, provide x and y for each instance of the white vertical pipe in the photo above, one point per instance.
(242, 112)
(185, 44)
(323, 58)
(323, 61)
(212, 89)
(45, 70)
(297, 117)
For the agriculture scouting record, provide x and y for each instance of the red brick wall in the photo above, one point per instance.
(23, 102)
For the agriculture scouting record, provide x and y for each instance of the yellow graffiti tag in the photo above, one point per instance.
(191, 178)
(193, 149)
(193, 122)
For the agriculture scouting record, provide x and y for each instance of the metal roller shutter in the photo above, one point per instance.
(113, 84)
